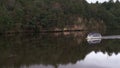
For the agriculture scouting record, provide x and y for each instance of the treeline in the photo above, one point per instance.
(36, 15)
(109, 12)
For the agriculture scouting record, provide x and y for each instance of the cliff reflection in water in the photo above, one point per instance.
(49, 49)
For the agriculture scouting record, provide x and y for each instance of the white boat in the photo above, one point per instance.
(94, 38)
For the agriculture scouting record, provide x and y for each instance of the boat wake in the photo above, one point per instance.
(94, 38)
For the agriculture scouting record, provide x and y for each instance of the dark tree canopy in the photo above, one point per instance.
(45, 14)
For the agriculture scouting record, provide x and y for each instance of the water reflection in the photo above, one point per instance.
(106, 61)
(92, 60)
(50, 50)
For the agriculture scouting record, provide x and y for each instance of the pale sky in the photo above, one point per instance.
(93, 1)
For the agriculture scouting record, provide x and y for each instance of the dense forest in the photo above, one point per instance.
(37, 15)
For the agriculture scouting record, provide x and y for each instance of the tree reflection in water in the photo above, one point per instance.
(49, 49)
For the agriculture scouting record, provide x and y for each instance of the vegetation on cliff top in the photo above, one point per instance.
(36, 15)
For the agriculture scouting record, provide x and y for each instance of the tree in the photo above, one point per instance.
(111, 1)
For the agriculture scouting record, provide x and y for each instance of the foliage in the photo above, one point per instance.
(48, 14)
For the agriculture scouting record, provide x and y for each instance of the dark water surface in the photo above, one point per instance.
(58, 50)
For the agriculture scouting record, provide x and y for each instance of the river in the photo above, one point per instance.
(58, 50)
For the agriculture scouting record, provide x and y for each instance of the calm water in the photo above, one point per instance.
(58, 50)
